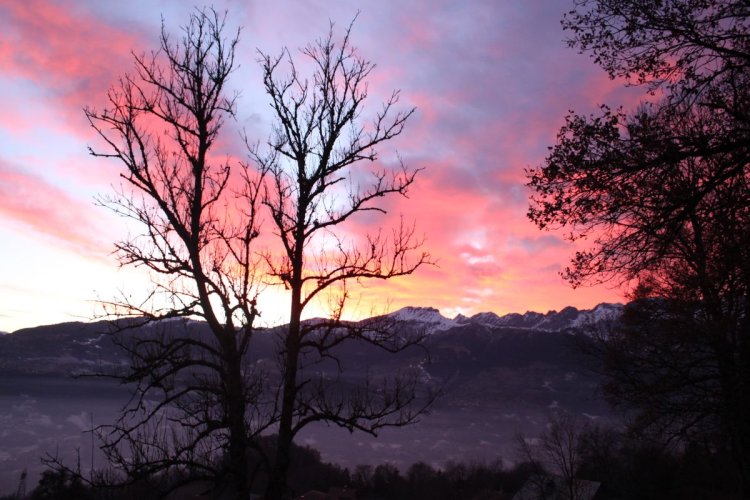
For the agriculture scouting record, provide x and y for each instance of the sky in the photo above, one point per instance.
(491, 82)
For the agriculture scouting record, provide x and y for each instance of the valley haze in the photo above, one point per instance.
(500, 376)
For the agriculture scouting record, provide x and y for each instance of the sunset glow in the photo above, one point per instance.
(491, 82)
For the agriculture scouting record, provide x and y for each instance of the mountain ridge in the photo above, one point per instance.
(567, 318)
(552, 320)
(75, 346)
(495, 376)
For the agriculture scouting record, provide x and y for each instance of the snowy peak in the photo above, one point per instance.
(460, 319)
(569, 317)
(604, 312)
(428, 316)
(566, 318)
(528, 320)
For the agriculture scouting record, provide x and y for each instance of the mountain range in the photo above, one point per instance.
(498, 376)
(568, 318)
(66, 347)
(484, 359)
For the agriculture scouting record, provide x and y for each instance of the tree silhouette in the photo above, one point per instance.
(697, 51)
(161, 124)
(558, 450)
(316, 161)
(662, 194)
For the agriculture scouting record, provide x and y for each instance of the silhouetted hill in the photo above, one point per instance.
(498, 375)
(482, 360)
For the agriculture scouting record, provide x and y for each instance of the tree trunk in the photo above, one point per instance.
(277, 483)
(742, 415)
(238, 483)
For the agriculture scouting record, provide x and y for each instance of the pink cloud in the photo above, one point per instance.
(490, 96)
(32, 202)
(489, 256)
(72, 55)
(63, 45)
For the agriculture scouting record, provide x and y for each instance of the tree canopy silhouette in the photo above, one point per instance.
(661, 195)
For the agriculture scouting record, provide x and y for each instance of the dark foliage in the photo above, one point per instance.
(661, 362)
(627, 468)
(453, 482)
(697, 51)
(650, 194)
(60, 485)
(662, 195)
(307, 471)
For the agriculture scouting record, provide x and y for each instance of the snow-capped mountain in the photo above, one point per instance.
(567, 318)
(495, 374)
(429, 317)
(73, 346)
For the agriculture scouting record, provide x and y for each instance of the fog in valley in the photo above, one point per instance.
(48, 414)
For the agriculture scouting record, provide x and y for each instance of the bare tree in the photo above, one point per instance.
(316, 162)
(558, 449)
(196, 234)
